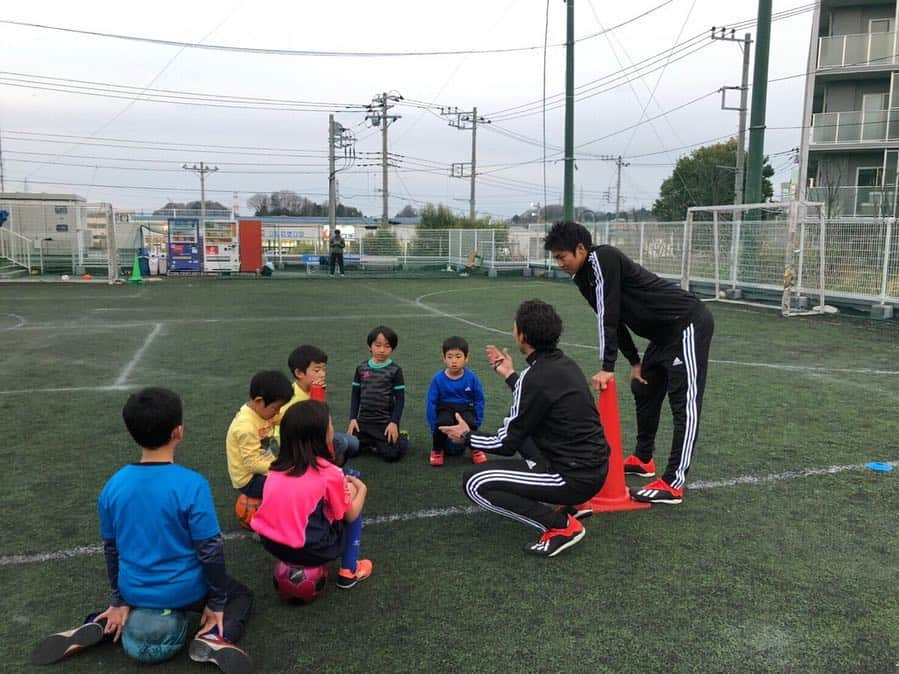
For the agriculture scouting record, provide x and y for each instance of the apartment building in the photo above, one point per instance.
(850, 148)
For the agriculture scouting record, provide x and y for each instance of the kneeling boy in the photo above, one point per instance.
(162, 544)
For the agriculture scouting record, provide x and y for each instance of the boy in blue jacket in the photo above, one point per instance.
(454, 389)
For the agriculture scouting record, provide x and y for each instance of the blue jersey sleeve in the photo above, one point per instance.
(107, 528)
(202, 520)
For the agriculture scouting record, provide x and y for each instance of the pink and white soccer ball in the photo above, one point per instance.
(299, 584)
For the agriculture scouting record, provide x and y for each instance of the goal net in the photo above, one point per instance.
(769, 254)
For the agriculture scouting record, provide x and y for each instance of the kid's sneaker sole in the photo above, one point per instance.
(57, 646)
(228, 657)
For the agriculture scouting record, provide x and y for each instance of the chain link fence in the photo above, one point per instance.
(860, 256)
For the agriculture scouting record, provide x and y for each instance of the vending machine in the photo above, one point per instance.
(221, 246)
(184, 244)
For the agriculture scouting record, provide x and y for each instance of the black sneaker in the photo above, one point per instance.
(228, 657)
(553, 541)
(62, 644)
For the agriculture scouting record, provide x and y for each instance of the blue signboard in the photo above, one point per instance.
(184, 244)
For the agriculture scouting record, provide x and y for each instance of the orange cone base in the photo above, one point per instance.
(602, 503)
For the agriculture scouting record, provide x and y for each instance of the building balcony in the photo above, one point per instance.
(855, 127)
(857, 51)
(859, 202)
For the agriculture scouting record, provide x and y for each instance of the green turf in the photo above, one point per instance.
(794, 575)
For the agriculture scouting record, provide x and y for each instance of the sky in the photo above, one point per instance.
(127, 145)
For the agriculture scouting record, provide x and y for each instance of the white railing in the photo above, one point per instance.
(854, 127)
(16, 248)
(856, 50)
(857, 202)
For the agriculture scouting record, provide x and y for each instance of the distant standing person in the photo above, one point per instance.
(337, 246)
(679, 328)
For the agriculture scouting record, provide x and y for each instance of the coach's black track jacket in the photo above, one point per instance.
(625, 295)
(551, 404)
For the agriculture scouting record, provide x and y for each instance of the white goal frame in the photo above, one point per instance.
(797, 217)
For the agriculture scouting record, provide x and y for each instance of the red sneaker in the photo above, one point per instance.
(553, 541)
(659, 491)
(633, 466)
(436, 457)
(212, 648)
(477, 456)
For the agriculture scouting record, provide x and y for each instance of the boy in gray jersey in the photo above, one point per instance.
(379, 394)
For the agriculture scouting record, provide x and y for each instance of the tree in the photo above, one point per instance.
(212, 208)
(704, 178)
(288, 202)
(408, 211)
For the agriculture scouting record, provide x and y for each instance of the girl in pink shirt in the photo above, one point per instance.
(311, 512)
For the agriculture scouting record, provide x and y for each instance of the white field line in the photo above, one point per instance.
(126, 371)
(72, 389)
(88, 550)
(19, 322)
(739, 363)
(80, 325)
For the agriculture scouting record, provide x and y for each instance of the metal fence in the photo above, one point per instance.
(861, 256)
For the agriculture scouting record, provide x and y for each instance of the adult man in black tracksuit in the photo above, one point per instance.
(679, 328)
(337, 245)
(553, 423)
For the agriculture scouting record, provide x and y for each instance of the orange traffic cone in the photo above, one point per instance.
(614, 494)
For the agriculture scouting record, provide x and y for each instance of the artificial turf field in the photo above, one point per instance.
(784, 556)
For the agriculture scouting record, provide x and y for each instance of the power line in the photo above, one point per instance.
(698, 40)
(317, 53)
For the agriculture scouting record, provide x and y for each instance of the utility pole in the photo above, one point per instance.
(382, 119)
(619, 162)
(743, 109)
(759, 101)
(464, 121)
(568, 196)
(202, 170)
(338, 137)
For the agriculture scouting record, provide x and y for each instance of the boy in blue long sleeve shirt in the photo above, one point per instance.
(455, 389)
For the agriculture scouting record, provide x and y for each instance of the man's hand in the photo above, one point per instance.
(352, 427)
(500, 361)
(116, 617)
(456, 432)
(637, 373)
(601, 380)
(211, 619)
(392, 432)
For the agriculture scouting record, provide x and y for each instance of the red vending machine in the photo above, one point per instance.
(250, 235)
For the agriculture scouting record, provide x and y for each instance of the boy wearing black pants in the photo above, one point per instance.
(553, 422)
(679, 328)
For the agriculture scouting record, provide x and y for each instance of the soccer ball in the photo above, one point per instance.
(722, 294)
(299, 584)
(154, 635)
(245, 508)
(64, 277)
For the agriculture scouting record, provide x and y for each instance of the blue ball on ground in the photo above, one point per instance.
(154, 635)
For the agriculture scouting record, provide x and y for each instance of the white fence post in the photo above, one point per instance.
(642, 239)
(685, 253)
(887, 243)
(717, 256)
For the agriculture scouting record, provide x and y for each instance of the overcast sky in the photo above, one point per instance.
(242, 142)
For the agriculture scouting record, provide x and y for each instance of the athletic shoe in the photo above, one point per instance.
(228, 657)
(436, 457)
(477, 456)
(634, 466)
(63, 644)
(347, 579)
(658, 491)
(553, 541)
(578, 512)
